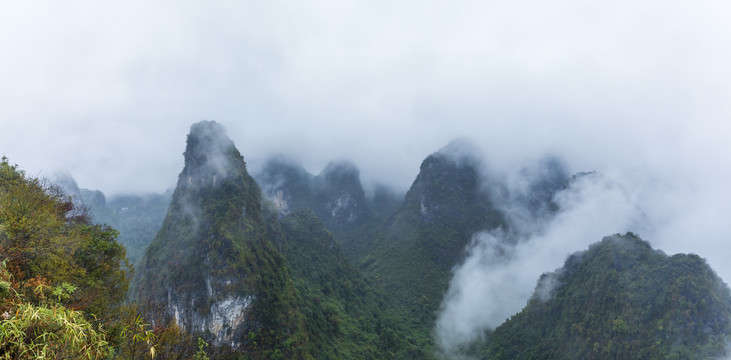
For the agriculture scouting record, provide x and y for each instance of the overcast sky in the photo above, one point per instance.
(108, 90)
(639, 90)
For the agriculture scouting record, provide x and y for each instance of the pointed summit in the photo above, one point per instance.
(426, 237)
(620, 299)
(210, 155)
(449, 186)
(461, 150)
(336, 195)
(212, 266)
(339, 197)
(287, 184)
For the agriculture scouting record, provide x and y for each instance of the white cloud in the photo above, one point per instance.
(638, 90)
(381, 83)
(497, 278)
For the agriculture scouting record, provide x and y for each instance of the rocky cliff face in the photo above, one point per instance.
(212, 264)
(236, 270)
(286, 184)
(339, 197)
(335, 195)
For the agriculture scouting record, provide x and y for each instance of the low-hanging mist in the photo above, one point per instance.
(502, 266)
(609, 84)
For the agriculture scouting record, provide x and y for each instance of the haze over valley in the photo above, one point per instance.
(356, 179)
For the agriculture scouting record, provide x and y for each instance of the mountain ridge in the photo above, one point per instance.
(621, 299)
(211, 264)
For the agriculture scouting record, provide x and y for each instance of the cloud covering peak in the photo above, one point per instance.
(638, 90)
(109, 89)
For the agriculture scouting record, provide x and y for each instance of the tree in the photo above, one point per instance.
(47, 241)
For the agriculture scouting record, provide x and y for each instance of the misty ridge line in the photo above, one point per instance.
(548, 213)
(549, 216)
(542, 232)
(582, 120)
(431, 93)
(502, 267)
(510, 190)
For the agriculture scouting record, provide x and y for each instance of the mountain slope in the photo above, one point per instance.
(136, 217)
(212, 265)
(230, 266)
(336, 196)
(346, 317)
(621, 299)
(415, 250)
(286, 184)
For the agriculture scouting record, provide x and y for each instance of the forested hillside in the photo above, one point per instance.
(415, 250)
(63, 279)
(213, 266)
(225, 264)
(313, 268)
(620, 299)
(346, 314)
(335, 195)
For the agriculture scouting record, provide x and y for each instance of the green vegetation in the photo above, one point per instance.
(45, 328)
(137, 217)
(214, 246)
(346, 317)
(356, 242)
(622, 300)
(220, 242)
(48, 242)
(406, 247)
(230, 275)
(63, 281)
(414, 251)
(335, 196)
